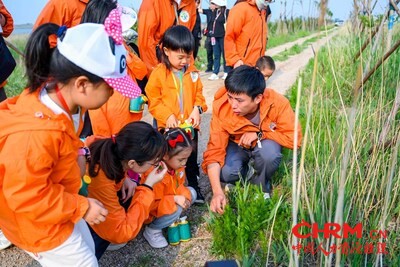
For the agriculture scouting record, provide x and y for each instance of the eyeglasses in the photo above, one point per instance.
(153, 164)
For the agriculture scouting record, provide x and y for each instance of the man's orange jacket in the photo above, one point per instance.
(62, 12)
(154, 18)
(276, 123)
(246, 34)
(164, 191)
(39, 174)
(120, 226)
(114, 114)
(163, 94)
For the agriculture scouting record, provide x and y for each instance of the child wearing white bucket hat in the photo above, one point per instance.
(42, 212)
(116, 112)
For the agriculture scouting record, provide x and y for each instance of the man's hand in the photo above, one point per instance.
(218, 203)
(247, 139)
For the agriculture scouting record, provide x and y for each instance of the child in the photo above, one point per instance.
(137, 147)
(41, 210)
(171, 195)
(115, 114)
(175, 91)
(266, 65)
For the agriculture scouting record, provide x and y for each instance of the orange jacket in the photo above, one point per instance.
(164, 191)
(275, 113)
(154, 18)
(246, 34)
(9, 26)
(114, 114)
(163, 94)
(39, 174)
(62, 12)
(120, 226)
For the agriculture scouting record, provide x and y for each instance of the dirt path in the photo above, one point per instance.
(197, 251)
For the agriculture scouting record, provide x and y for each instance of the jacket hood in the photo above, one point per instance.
(26, 113)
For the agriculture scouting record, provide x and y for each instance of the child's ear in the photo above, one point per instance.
(131, 163)
(166, 157)
(81, 84)
(166, 51)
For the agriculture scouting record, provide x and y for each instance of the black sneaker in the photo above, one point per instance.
(209, 70)
(200, 198)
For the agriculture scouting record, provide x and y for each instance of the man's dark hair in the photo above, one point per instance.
(245, 80)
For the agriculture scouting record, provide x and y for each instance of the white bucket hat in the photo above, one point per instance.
(88, 46)
(219, 2)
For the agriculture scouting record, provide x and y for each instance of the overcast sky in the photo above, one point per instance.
(26, 11)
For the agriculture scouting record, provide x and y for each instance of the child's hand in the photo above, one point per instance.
(128, 189)
(157, 174)
(172, 122)
(96, 212)
(194, 117)
(182, 201)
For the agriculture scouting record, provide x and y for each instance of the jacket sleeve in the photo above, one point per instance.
(284, 132)
(27, 187)
(182, 189)
(136, 66)
(165, 203)
(191, 9)
(9, 26)
(149, 17)
(234, 27)
(157, 108)
(217, 143)
(200, 100)
(121, 226)
(55, 12)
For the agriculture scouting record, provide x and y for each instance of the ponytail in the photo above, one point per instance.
(38, 55)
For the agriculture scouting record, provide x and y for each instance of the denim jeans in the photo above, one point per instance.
(209, 49)
(218, 49)
(166, 220)
(266, 162)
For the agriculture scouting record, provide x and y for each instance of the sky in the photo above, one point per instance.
(26, 11)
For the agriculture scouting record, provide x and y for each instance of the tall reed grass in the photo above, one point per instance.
(348, 177)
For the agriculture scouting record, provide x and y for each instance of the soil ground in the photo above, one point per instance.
(196, 251)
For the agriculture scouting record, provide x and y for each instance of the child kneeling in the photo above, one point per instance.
(171, 195)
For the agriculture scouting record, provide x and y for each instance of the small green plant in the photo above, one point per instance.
(244, 229)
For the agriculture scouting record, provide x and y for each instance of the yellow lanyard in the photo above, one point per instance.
(179, 91)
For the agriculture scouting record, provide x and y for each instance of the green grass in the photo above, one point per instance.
(369, 189)
(295, 49)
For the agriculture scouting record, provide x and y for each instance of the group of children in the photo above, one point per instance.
(137, 173)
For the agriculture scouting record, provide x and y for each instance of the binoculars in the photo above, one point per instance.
(179, 232)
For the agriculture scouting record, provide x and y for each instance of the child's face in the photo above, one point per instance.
(92, 96)
(178, 58)
(179, 160)
(267, 73)
(143, 167)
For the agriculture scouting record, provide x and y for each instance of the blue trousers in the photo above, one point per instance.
(218, 50)
(266, 162)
